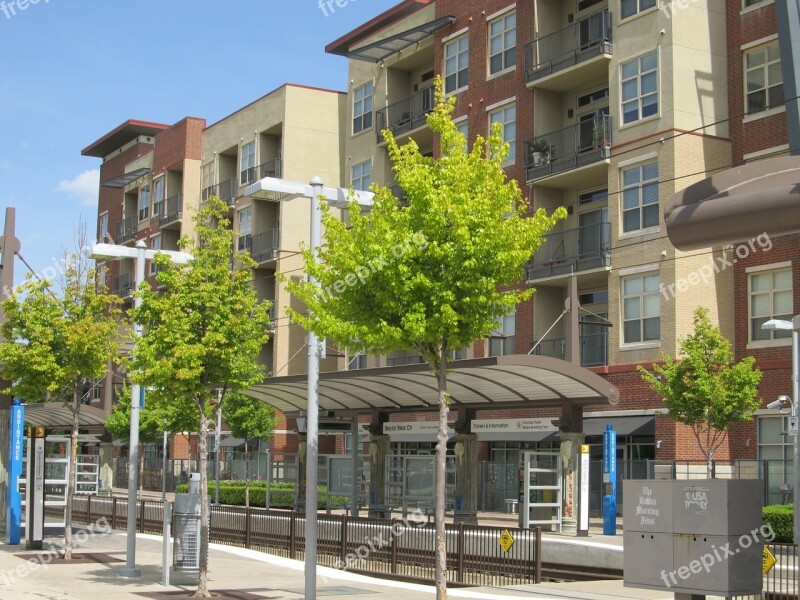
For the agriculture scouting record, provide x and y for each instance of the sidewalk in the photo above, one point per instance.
(253, 574)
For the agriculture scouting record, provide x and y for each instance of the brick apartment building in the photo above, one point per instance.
(600, 123)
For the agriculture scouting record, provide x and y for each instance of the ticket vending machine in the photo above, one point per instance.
(34, 489)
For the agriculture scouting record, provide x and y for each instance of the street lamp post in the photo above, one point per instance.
(794, 327)
(271, 188)
(140, 254)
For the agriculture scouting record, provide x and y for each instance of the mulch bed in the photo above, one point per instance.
(78, 558)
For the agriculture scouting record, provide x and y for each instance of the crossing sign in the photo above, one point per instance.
(768, 560)
(506, 541)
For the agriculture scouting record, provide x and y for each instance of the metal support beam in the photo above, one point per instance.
(787, 13)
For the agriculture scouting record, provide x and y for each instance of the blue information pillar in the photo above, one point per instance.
(16, 441)
(609, 481)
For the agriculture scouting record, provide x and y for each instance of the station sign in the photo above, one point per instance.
(543, 424)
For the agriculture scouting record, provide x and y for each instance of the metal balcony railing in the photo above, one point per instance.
(271, 168)
(122, 285)
(262, 247)
(571, 251)
(399, 361)
(407, 114)
(583, 40)
(126, 229)
(594, 349)
(578, 145)
(173, 210)
(226, 191)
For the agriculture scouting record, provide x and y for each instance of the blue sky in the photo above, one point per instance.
(74, 69)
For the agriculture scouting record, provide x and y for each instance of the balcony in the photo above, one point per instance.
(572, 251)
(122, 285)
(126, 230)
(263, 247)
(226, 191)
(578, 53)
(594, 349)
(584, 144)
(407, 114)
(172, 213)
(271, 168)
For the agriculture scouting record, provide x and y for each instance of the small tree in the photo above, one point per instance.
(57, 340)
(203, 332)
(433, 275)
(251, 420)
(705, 389)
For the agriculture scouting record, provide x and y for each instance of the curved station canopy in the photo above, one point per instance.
(52, 415)
(497, 382)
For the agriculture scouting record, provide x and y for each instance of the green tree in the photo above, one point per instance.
(58, 338)
(705, 389)
(432, 274)
(203, 331)
(250, 420)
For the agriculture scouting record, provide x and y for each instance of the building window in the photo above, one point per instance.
(640, 88)
(456, 64)
(640, 197)
(362, 175)
(633, 7)
(144, 202)
(641, 309)
(362, 108)
(503, 43)
(770, 298)
(207, 180)
(101, 275)
(155, 244)
(507, 116)
(763, 78)
(102, 227)
(248, 170)
(501, 340)
(245, 223)
(357, 362)
(463, 127)
(749, 3)
(776, 449)
(158, 196)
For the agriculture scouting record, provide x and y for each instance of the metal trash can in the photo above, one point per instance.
(186, 528)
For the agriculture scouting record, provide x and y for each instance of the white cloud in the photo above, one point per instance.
(85, 187)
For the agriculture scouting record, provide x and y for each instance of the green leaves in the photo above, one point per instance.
(248, 418)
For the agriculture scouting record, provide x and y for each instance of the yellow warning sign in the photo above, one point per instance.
(584, 448)
(768, 560)
(506, 541)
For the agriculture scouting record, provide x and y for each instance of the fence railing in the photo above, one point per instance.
(403, 548)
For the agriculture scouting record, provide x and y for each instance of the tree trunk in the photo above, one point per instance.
(72, 475)
(202, 452)
(440, 491)
(246, 474)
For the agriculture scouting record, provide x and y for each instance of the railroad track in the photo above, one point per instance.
(559, 572)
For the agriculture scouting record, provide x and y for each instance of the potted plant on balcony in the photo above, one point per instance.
(540, 151)
(599, 134)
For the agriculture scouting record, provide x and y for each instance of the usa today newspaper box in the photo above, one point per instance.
(699, 536)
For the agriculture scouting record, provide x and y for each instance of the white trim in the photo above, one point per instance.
(639, 346)
(646, 412)
(501, 12)
(755, 344)
(766, 152)
(455, 35)
(638, 270)
(775, 110)
(759, 42)
(639, 159)
(749, 9)
(505, 71)
(771, 267)
(500, 104)
(638, 233)
(461, 119)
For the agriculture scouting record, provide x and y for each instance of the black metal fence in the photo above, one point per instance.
(385, 547)
(781, 583)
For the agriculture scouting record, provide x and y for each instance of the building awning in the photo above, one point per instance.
(53, 415)
(120, 181)
(231, 442)
(383, 49)
(634, 425)
(498, 382)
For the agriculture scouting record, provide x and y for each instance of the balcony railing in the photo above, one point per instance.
(122, 285)
(173, 210)
(571, 251)
(407, 114)
(583, 40)
(262, 247)
(271, 168)
(594, 349)
(578, 145)
(225, 190)
(400, 361)
(126, 229)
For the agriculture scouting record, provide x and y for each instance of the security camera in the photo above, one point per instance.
(779, 403)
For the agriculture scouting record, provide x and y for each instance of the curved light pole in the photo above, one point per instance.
(271, 188)
(141, 255)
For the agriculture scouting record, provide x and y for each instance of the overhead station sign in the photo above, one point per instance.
(537, 425)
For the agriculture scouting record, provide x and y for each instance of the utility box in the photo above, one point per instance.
(186, 528)
(694, 536)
